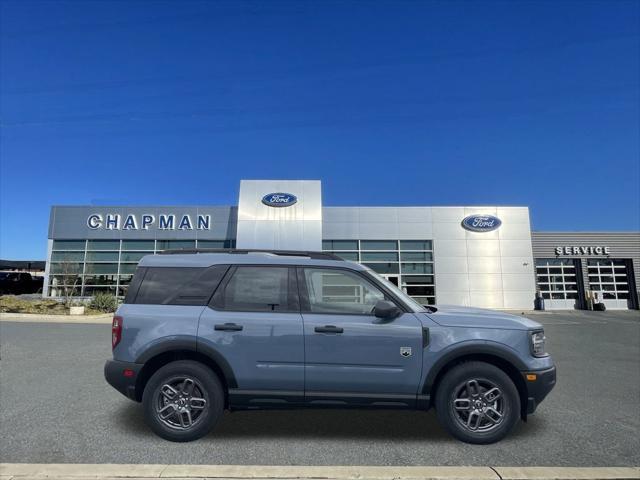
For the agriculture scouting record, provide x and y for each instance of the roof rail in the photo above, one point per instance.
(283, 253)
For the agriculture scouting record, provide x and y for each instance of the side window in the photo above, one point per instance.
(178, 285)
(258, 289)
(340, 291)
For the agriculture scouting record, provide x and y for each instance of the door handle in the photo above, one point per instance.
(329, 329)
(228, 327)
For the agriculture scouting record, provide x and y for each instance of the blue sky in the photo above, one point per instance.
(388, 103)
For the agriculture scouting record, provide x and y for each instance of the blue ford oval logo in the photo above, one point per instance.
(279, 199)
(481, 223)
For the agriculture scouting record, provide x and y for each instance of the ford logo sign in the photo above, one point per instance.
(279, 199)
(481, 223)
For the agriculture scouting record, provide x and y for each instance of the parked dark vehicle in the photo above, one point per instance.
(245, 330)
(18, 283)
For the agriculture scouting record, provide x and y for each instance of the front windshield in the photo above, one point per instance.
(415, 306)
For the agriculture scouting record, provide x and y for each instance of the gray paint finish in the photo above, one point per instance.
(70, 222)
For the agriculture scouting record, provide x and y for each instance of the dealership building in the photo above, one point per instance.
(481, 256)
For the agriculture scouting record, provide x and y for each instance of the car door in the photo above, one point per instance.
(351, 356)
(253, 326)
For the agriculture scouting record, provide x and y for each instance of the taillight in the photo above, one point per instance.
(116, 331)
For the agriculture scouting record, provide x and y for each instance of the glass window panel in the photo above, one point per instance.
(417, 279)
(556, 279)
(608, 287)
(261, 289)
(425, 300)
(100, 279)
(417, 267)
(353, 256)
(68, 244)
(128, 268)
(543, 279)
(621, 278)
(594, 278)
(545, 287)
(216, 243)
(102, 256)
(416, 245)
(67, 256)
(340, 245)
(132, 256)
(138, 244)
(379, 256)
(98, 268)
(103, 245)
(595, 286)
(572, 295)
(378, 245)
(417, 256)
(66, 268)
(383, 267)
(162, 283)
(618, 262)
(61, 280)
(546, 295)
(557, 296)
(623, 295)
(555, 271)
(606, 278)
(125, 279)
(335, 291)
(91, 291)
(609, 295)
(420, 291)
(175, 244)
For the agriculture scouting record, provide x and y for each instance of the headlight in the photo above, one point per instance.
(537, 344)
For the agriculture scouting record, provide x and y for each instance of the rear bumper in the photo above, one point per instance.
(123, 377)
(539, 388)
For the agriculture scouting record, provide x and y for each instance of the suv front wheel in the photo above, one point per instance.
(477, 402)
(183, 401)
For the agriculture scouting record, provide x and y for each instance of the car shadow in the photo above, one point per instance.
(325, 423)
(396, 425)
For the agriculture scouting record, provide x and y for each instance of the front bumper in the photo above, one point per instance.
(123, 377)
(538, 388)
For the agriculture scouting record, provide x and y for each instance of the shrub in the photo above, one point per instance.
(104, 302)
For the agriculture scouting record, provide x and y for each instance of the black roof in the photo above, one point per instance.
(283, 253)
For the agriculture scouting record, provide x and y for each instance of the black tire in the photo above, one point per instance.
(175, 427)
(453, 392)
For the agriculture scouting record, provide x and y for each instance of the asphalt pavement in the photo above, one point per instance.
(56, 407)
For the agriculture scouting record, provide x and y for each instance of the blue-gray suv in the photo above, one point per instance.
(200, 332)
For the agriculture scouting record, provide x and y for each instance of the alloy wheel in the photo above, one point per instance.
(180, 402)
(478, 405)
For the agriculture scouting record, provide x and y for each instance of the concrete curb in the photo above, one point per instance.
(24, 471)
(39, 318)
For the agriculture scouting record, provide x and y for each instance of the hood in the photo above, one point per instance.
(453, 316)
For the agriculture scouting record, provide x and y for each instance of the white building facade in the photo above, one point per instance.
(479, 256)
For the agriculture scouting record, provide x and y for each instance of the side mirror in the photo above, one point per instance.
(386, 310)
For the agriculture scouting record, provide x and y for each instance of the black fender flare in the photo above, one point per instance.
(177, 343)
(464, 349)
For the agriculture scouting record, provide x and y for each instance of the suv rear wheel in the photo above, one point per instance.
(183, 401)
(477, 403)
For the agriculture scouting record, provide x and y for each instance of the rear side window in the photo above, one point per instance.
(179, 285)
(259, 289)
